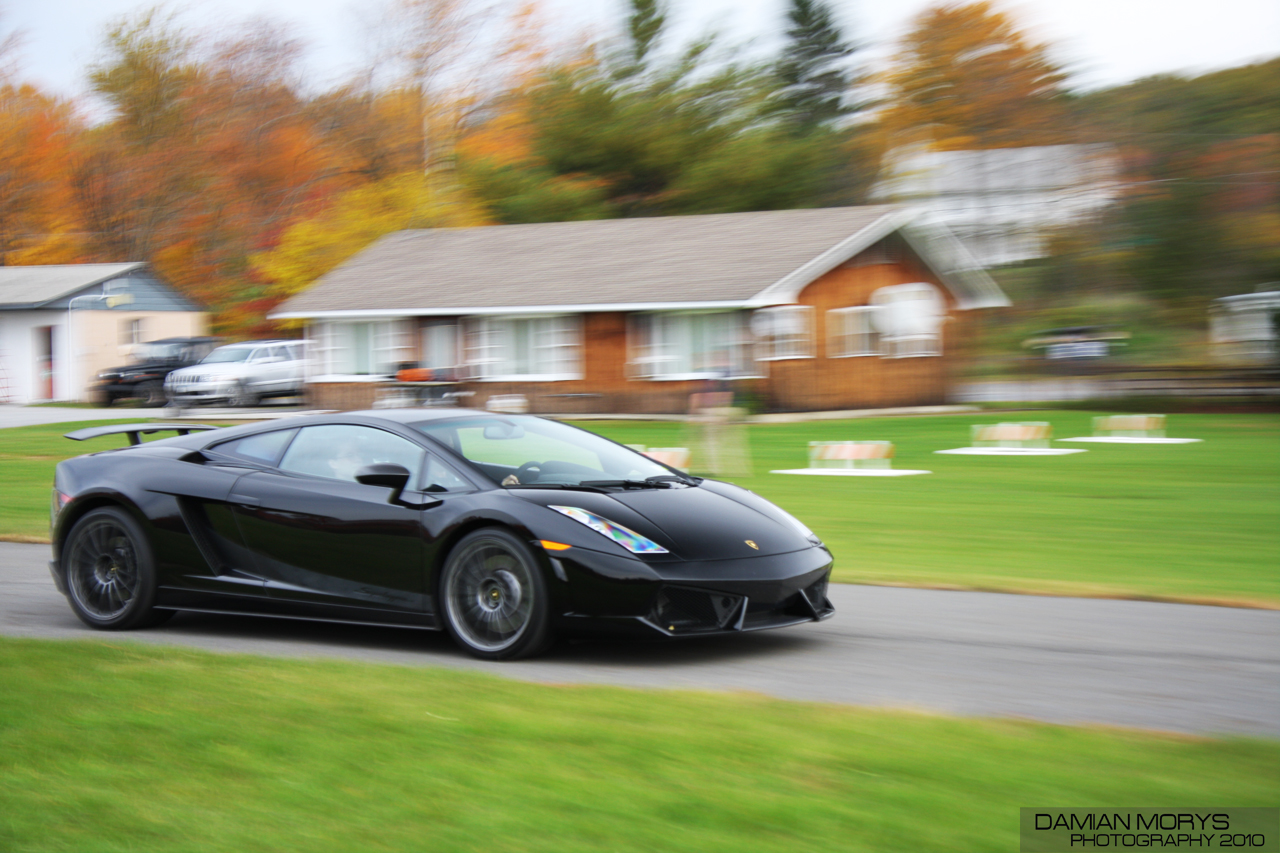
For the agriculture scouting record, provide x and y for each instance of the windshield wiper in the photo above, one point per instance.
(656, 481)
(582, 487)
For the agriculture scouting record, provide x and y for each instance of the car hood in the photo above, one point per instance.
(143, 367)
(703, 522)
(229, 368)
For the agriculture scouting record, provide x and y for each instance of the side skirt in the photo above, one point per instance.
(220, 612)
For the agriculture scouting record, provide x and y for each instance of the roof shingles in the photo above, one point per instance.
(673, 259)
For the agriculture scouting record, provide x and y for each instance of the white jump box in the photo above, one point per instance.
(1030, 438)
(851, 459)
(1130, 429)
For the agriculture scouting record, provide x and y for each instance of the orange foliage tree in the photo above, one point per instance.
(966, 77)
(38, 219)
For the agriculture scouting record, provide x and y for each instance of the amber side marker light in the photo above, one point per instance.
(555, 546)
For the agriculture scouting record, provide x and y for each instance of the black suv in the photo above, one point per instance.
(153, 361)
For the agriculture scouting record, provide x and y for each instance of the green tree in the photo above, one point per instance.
(697, 133)
(814, 68)
(648, 19)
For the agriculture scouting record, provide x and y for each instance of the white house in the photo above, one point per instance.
(1001, 202)
(61, 324)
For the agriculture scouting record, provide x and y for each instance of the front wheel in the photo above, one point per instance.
(494, 597)
(110, 572)
(243, 396)
(152, 394)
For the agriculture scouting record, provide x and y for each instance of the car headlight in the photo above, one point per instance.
(624, 536)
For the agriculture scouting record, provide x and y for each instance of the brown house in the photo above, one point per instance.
(835, 308)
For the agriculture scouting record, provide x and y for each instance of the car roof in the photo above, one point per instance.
(274, 341)
(197, 340)
(412, 415)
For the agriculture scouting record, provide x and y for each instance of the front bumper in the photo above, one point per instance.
(58, 580)
(199, 392)
(679, 599)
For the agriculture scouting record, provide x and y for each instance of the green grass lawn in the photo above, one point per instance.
(1194, 522)
(114, 746)
(27, 458)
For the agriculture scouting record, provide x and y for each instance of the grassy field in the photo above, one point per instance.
(122, 747)
(1193, 522)
(27, 458)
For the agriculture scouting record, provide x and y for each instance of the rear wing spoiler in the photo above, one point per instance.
(134, 431)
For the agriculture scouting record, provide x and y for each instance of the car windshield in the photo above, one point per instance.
(225, 355)
(519, 450)
(156, 352)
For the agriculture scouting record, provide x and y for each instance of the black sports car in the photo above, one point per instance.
(502, 530)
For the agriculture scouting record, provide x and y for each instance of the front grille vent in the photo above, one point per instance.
(683, 610)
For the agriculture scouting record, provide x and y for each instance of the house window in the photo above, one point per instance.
(528, 349)
(690, 345)
(131, 332)
(909, 318)
(784, 332)
(440, 345)
(851, 332)
(363, 349)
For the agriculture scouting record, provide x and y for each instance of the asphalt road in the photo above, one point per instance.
(1162, 666)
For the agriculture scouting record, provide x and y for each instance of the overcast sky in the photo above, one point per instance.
(1101, 41)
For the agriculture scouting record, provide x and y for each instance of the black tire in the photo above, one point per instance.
(110, 572)
(493, 597)
(242, 396)
(152, 394)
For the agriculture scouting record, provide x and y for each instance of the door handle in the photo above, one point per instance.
(247, 500)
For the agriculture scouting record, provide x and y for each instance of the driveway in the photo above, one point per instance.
(1177, 667)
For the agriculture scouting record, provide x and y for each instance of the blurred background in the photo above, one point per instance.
(1117, 172)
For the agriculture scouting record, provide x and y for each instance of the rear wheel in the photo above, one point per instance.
(494, 597)
(110, 572)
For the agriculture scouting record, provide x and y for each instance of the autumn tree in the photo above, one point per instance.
(1199, 205)
(425, 48)
(966, 77)
(38, 217)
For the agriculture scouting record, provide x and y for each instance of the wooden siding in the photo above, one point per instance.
(861, 382)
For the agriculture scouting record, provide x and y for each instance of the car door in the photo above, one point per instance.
(281, 369)
(295, 368)
(321, 538)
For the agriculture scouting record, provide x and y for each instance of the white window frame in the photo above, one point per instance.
(554, 347)
(388, 343)
(772, 346)
(662, 346)
(131, 331)
(846, 327)
(928, 345)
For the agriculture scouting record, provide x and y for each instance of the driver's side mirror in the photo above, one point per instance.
(386, 474)
(394, 477)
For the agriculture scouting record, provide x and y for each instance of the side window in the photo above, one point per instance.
(265, 447)
(295, 352)
(441, 478)
(338, 451)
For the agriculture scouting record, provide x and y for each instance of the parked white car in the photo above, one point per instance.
(241, 374)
